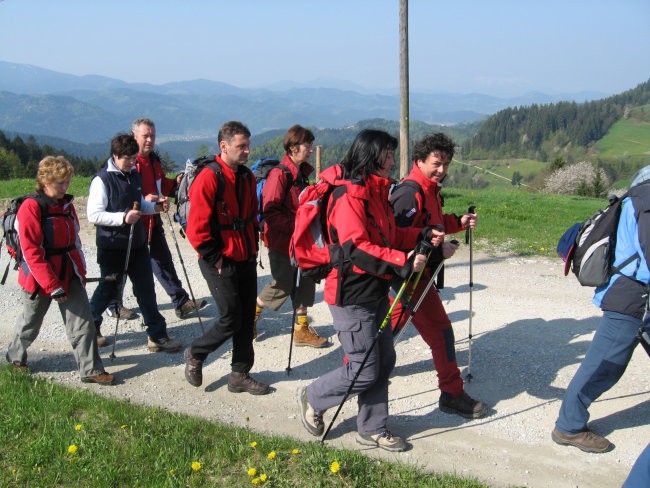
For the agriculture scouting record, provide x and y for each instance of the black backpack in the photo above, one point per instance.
(588, 247)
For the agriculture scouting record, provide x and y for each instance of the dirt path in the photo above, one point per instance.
(531, 328)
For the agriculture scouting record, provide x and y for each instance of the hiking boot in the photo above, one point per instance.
(305, 335)
(193, 369)
(101, 340)
(190, 307)
(586, 441)
(463, 405)
(312, 420)
(101, 378)
(385, 440)
(123, 312)
(164, 344)
(18, 366)
(240, 382)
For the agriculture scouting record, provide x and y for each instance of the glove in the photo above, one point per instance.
(58, 293)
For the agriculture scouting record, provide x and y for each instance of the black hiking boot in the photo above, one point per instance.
(463, 405)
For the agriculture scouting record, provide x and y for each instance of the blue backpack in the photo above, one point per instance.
(261, 170)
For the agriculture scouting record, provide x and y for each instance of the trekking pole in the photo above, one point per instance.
(187, 279)
(469, 238)
(293, 319)
(120, 291)
(386, 321)
(432, 280)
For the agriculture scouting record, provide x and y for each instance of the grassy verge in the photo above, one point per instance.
(56, 436)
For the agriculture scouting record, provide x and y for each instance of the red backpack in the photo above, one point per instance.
(310, 248)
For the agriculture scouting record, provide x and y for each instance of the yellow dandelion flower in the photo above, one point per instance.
(263, 476)
(255, 481)
(335, 466)
(171, 471)
(295, 451)
(253, 444)
(14, 470)
(251, 471)
(123, 426)
(78, 427)
(196, 466)
(72, 449)
(542, 249)
(271, 455)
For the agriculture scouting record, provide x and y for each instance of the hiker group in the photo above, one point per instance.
(379, 245)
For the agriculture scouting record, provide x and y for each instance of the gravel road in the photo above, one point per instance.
(531, 327)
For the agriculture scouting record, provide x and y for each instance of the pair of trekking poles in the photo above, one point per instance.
(469, 238)
(120, 290)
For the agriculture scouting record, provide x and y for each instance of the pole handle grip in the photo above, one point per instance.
(136, 205)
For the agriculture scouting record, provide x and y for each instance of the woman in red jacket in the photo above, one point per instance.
(53, 267)
(361, 221)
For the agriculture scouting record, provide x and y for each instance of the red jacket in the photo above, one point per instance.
(410, 210)
(210, 222)
(281, 203)
(362, 222)
(153, 181)
(60, 231)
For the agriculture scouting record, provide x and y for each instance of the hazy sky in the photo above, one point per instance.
(499, 47)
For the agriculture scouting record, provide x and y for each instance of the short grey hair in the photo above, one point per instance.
(142, 121)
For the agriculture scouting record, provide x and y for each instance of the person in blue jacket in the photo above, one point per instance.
(624, 302)
(639, 476)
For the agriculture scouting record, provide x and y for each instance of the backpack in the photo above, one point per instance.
(588, 247)
(193, 168)
(310, 248)
(261, 170)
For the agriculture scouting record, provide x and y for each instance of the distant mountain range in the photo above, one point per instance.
(91, 109)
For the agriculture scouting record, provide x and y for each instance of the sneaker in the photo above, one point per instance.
(384, 440)
(123, 312)
(586, 441)
(463, 405)
(101, 378)
(242, 382)
(164, 344)
(312, 420)
(190, 307)
(305, 335)
(193, 369)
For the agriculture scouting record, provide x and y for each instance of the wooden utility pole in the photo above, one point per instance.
(318, 161)
(404, 88)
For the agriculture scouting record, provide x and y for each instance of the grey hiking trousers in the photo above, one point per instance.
(357, 328)
(79, 328)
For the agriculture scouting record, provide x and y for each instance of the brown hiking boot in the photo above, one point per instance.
(190, 307)
(123, 312)
(101, 378)
(193, 369)
(463, 405)
(305, 335)
(586, 441)
(101, 340)
(242, 382)
(164, 344)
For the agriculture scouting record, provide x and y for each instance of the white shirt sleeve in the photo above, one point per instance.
(97, 203)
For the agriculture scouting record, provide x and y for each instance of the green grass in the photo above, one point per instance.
(627, 137)
(518, 221)
(121, 444)
(22, 186)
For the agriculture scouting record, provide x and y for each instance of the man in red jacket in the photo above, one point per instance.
(222, 227)
(417, 203)
(155, 184)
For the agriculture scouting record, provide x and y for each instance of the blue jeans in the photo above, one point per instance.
(640, 473)
(111, 264)
(603, 365)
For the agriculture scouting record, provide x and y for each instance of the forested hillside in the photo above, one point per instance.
(565, 129)
(19, 159)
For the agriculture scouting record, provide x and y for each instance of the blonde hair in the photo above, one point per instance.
(53, 168)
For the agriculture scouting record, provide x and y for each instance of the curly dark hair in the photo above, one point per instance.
(436, 143)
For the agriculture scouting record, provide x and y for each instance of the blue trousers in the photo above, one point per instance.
(111, 263)
(639, 477)
(162, 265)
(603, 365)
